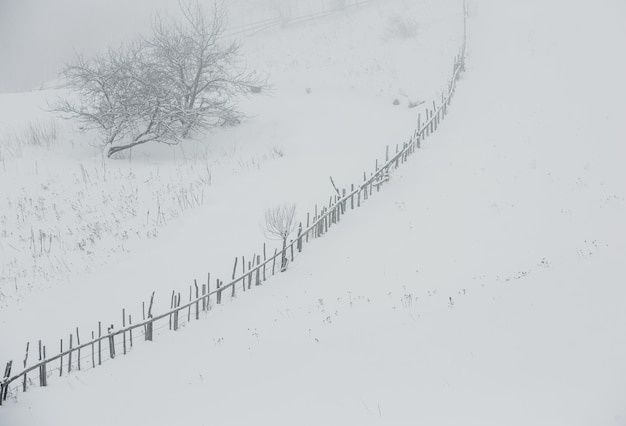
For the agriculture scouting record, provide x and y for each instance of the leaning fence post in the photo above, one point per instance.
(4, 386)
(264, 262)
(235, 267)
(130, 332)
(93, 355)
(78, 344)
(195, 283)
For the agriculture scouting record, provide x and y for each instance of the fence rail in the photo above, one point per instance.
(256, 271)
(277, 22)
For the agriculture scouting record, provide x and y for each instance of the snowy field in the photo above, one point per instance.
(483, 286)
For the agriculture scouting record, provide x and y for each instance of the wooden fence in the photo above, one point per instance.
(114, 341)
(277, 22)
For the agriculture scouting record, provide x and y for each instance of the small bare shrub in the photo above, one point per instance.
(279, 223)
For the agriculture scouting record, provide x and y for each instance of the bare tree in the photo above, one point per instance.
(279, 223)
(120, 95)
(162, 87)
(205, 74)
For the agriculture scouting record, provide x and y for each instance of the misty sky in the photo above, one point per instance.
(36, 36)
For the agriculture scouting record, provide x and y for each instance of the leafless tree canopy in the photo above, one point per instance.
(280, 221)
(179, 79)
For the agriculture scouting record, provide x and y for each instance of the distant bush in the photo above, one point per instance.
(401, 27)
(41, 133)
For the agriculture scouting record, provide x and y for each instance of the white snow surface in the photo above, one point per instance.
(484, 285)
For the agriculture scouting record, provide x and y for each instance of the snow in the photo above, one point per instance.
(482, 285)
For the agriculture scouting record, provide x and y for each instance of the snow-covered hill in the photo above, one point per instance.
(484, 285)
(75, 228)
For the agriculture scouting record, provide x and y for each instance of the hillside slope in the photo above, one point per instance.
(484, 285)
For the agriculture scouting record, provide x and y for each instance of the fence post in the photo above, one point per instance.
(308, 224)
(4, 386)
(250, 265)
(149, 329)
(195, 283)
(203, 298)
(130, 332)
(258, 270)
(43, 370)
(25, 360)
(69, 360)
(77, 343)
(93, 352)
(265, 259)
(243, 273)
(111, 342)
(123, 326)
(274, 261)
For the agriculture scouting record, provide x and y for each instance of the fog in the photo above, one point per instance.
(38, 36)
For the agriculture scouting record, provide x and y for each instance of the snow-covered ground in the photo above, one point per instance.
(209, 196)
(484, 285)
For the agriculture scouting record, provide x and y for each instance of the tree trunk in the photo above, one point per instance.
(283, 259)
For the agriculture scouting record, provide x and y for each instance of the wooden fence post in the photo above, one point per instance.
(258, 270)
(61, 360)
(25, 360)
(235, 267)
(93, 355)
(243, 273)
(208, 291)
(130, 332)
(249, 276)
(265, 260)
(69, 359)
(300, 238)
(172, 301)
(351, 196)
(176, 311)
(111, 338)
(219, 292)
(4, 387)
(78, 344)
(43, 378)
(195, 283)
(123, 327)
(203, 298)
